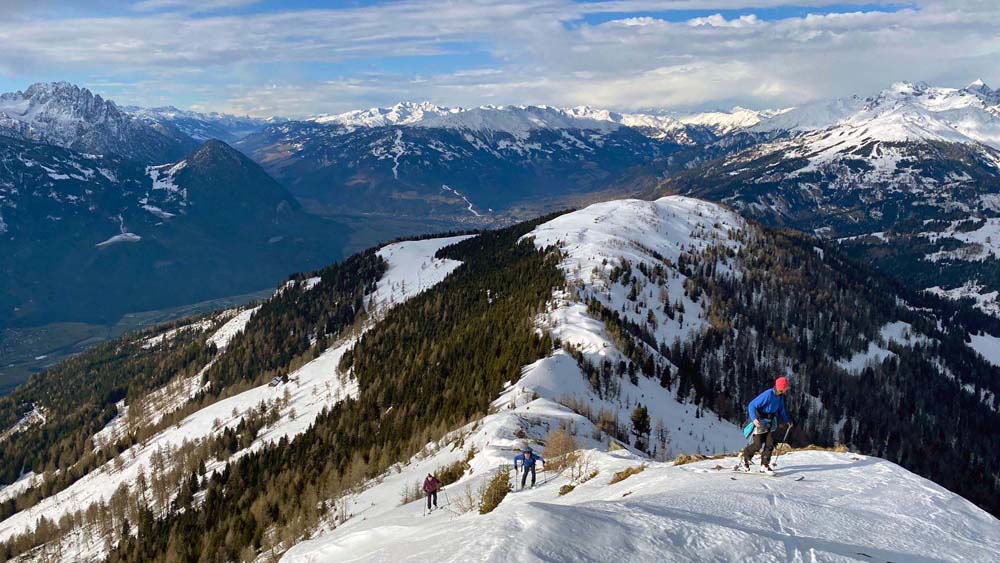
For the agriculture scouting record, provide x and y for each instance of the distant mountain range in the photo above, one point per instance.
(103, 212)
(908, 179)
(201, 126)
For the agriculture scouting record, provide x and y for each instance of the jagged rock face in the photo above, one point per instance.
(72, 117)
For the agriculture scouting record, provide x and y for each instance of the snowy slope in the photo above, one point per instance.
(725, 122)
(412, 269)
(903, 112)
(403, 113)
(310, 389)
(847, 508)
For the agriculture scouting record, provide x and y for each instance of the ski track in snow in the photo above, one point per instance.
(313, 387)
(847, 508)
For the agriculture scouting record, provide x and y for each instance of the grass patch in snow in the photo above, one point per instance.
(626, 473)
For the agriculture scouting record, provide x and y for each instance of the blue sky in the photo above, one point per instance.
(296, 58)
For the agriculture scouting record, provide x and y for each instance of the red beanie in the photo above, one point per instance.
(781, 383)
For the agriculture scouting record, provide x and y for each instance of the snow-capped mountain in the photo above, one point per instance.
(518, 121)
(403, 113)
(316, 413)
(65, 115)
(202, 126)
(725, 122)
(914, 167)
(901, 113)
(97, 228)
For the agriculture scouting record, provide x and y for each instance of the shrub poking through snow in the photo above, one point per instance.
(560, 449)
(496, 491)
(411, 492)
(566, 489)
(626, 473)
(451, 473)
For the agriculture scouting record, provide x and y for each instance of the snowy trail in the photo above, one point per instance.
(853, 508)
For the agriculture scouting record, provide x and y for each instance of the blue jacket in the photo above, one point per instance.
(766, 405)
(529, 462)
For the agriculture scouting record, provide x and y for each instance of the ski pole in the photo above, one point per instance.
(783, 441)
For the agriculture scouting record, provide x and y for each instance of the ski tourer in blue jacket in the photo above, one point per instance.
(766, 406)
(527, 460)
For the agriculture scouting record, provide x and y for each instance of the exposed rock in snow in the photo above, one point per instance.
(62, 114)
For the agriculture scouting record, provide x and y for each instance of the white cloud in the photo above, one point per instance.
(718, 20)
(539, 51)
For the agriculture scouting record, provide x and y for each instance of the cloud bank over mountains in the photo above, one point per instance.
(263, 58)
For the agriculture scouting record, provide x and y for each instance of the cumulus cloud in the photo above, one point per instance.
(526, 51)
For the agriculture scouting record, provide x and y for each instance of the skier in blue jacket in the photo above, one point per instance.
(527, 460)
(764, 411)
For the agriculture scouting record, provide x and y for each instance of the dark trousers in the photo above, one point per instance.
(524, 475)
(767, 441)
(432, 495)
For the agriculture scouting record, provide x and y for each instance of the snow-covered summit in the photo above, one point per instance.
(516, 120)
(66, 115)
(906, 111)
(57, 111)
(403, 113)
(724, 122)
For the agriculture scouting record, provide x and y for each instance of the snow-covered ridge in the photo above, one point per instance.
(724, 122)
(846, 508)
(903, 112)
(519, 120)
(403, 113)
